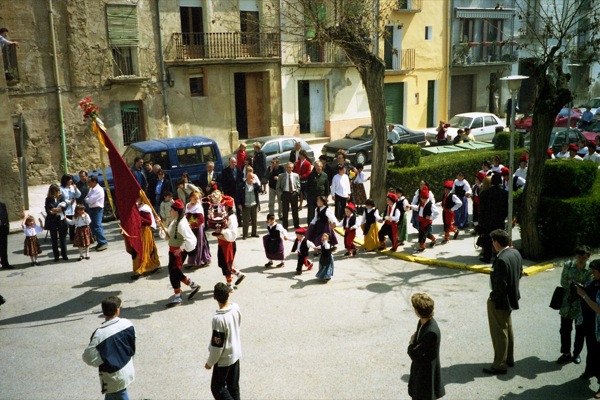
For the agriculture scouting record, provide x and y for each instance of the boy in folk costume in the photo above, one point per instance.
(302, 245)
(427, 212)
(273, 242)
(227, 248)
(477, 187)
(181, 239)
(450, 203)
(462, 190)
(350, 225)
(402, 205)
(390, 224)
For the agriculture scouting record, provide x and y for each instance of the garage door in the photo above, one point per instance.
(394, 102)
(461, 96)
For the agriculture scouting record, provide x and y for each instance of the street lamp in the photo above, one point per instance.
(514, 84)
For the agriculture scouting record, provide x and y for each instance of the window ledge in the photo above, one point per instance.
(128, 79)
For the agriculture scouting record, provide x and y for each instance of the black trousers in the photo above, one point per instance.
(566, 326)
(4, 245)
(340, 205)
(311, 204)
(288, 198)
(71, 228)
(176, 275)
(59, 234)
(488, 248)
(592, 360)
(225, 382)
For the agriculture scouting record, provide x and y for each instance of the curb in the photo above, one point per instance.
(481, 269)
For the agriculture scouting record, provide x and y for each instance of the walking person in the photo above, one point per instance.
(225, 349)
(369, 226)
(317, 185)
(325, 272)
(226, 237)
(185, 188)
(288, 188)
(426, 212)
(55, 221)
(303, 168)
(493, 210)
(31, 247)
(450, 203)
(323, 222)
(402, 205)
(302, 246)
(273, 243)
(111, 350)
(350, 225)
(194, 212)
(273, 175)
(462, 190)
(83, 233)
(148, 261)
(391, 216)
(4, 230)
(95, 202)
(503, 299)
(575, 272)
(249, 204)
(71, 193)
(340, 190)
(425, 381)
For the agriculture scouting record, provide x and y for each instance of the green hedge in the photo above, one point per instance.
(407, 155)
(568, 178)
(567, 223)
(502, 141)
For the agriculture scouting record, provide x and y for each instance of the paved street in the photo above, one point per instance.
(301, 339)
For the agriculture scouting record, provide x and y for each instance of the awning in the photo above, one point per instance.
(484, 13)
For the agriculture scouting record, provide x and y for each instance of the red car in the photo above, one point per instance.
(591, 131)
(562, 120)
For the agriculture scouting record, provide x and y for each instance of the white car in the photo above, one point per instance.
(483, 126)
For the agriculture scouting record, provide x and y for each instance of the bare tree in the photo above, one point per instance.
(556, 34)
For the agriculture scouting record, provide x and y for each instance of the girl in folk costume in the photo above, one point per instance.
(350, 225)
(477, 188)
(390, 224)
(301, 246)
(414, 220)
(402, 205)
(520, 175)
(194, 212)
(83, 234)
(322, 223)
(496, 164)
(273, 242)
(427, 212)
(486, 168)
(325, 271)
(369, 226)
(181, 240)
(462, 190)
(450, 203)
(358, 186)
(148, 261)
(226, 238)
(505, 173)
(31, 247)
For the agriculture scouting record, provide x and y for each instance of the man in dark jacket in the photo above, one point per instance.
(231, 181)
(317, 185)
(493, 210)
(4, 229)
(504, 298)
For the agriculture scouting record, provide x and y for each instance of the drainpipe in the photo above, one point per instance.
(163, 73)
(63, 139)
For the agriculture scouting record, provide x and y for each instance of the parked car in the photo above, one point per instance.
(175, 156)
(592, 130)
(558, 137)
(358, 144)
(483, 126)
(524, 124)
(594, 105)
(277, 146)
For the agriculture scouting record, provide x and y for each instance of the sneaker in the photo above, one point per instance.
(101, 247)
(230, 286)
(281, 264)
(420, 250)
(269, 264)
(195, 287)
(175, 302)
(241, 276)
(80, 258)
(564, 359)
(432, 244)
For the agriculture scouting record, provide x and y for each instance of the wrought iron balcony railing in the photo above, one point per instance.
(226, 45)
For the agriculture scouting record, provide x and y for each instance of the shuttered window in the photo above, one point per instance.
(394, 102)
(122, 25)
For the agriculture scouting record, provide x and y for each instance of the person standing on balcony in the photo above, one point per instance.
(4, 39)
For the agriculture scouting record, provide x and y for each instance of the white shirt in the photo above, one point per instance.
(360, 177)
(329, 213)
(80, 220)
(593, 157)
(375, 214)
(463, 183)
(417, 200)
(340, 185)
(95, 197)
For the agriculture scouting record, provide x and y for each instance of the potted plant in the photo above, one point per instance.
(461, 52)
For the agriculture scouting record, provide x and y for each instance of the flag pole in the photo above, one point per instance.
(96, 130)
(156, 216)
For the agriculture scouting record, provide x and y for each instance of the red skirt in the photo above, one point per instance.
(83, 236)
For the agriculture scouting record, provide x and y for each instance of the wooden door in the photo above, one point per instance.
(255, 104)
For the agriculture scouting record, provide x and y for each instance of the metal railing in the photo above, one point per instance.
(11, 66)
(478, 55)
(226, 45)
(409, 5)
(407, 59)
(313, 51)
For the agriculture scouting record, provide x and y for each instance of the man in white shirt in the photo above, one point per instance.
(95, 201)
(4, 39)
(288, 189)
(392, 134)
(592, 155)
(340, 189)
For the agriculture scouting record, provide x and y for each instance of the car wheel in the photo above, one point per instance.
(361, 158)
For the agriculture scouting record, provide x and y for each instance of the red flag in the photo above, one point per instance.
(127, 191)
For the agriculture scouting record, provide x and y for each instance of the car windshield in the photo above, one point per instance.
(360, 133)
(561, 138)
(130, 155)
(459, 121)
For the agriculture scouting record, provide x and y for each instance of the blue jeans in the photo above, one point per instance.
(120, 395)
(96, 215)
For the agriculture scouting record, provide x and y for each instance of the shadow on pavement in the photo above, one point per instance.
(106, 280)
(303, 284)
(573, 389)
(531, 367)
(463, 373)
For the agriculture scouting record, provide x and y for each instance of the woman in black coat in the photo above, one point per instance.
(55, 221)
(425, 380)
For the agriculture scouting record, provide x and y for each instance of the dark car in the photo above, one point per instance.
(558, 137)
(276, 146)
(358, 144)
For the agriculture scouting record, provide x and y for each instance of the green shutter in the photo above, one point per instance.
(394, 102)
(122, 25)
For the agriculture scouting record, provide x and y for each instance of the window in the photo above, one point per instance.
(123, 38)
(489, 120)
(428, 32)
(477, 123)
(132, 122)
(187, 156)
(11, 67)
(197, 86)
(207, 153)
(158, 157)
(288, 145)
(270, 148)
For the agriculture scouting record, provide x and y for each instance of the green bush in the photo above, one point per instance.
(568, 178)
(407, 155)
(567, 223)
(502, 141)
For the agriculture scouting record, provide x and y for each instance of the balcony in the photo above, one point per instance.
(307, 53)
(483, 54)
(226, 46)
(11, 66)
(580, 55)
(409, 6)
(400, 62)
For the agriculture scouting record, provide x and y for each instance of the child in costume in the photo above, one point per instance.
(402, 205)
(165, 206)
(83, 234)
(226, 239)
(450, 203)
(322, 223)
(427, 212)
(194, 212)
(325, 260)
(302, 245)
(477, 187)
(369, 226)
(31, 246)
(358, 186)
(273, 243)
(350, 225)
(462, 190)
(390, 225)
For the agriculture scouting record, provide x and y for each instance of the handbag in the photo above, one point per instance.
(557, 298)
